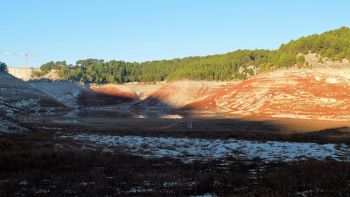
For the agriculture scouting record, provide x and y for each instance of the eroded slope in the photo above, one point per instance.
(18, 98)
(292, 93)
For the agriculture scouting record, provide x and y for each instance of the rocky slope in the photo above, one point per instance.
(65, 92)
(17, 98)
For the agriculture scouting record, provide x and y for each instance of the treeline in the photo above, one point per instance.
(333, 44)
(240, 64)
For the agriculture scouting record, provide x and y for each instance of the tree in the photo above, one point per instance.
(3, 67)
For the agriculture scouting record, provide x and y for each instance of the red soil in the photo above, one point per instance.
(285, 94)
(112, 91)
(301, 94)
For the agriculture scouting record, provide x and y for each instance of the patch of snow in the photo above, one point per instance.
(42, 191)
(203, 195)
(189, 150)
(139, 189)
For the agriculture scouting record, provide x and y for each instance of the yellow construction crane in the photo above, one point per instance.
(25, 55)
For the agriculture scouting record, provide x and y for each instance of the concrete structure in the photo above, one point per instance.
(22, 73)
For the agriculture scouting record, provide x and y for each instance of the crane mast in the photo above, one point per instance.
(25, 55)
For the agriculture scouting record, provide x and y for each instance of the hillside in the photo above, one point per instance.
(17, 98)
(236, 65)
(63, 91)
(302, 94)
(276, 88)
(334, 44)
(319, 93)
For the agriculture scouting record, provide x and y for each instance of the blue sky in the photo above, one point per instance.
(140, 30)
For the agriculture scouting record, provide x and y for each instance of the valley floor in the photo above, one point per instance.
(49, 164)
(113, 156)
(251, 138)
(319, 131)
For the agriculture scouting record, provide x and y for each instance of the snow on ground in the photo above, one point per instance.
(204, 195)
(188, 149)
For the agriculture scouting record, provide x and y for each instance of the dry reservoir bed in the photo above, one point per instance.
(192, 149)
(76, 160)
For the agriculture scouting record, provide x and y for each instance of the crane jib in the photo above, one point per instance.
(24, 54)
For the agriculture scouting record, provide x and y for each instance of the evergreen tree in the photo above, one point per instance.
(3, 67)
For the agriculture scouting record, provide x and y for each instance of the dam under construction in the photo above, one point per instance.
(22, 73)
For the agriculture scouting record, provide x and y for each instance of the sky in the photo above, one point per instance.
(142, 30)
